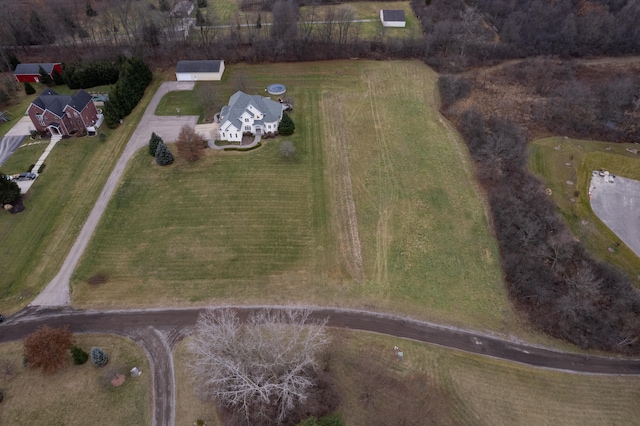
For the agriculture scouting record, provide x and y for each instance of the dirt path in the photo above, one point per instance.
(56, 293)
(157, 332)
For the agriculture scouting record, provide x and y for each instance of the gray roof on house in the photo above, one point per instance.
(52, 101)
(393, 15)
(240, 101)
(22, 69)
(182, 9)
(198, 66)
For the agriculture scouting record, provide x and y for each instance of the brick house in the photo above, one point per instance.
(64, 115)
(31, 72)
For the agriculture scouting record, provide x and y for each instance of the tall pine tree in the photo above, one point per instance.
(153, 143)
(164, 157)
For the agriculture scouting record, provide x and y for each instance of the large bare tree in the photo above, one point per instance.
(190, 144)
(262, 369)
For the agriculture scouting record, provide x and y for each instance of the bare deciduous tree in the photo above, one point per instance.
(190, 144)
(263, 369)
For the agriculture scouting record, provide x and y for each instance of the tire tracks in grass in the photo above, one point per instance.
(347, 221)
(387, 189)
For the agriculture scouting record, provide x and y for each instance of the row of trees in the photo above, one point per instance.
(134, 77)
(563, 290)
(458, 36)
(82, 75)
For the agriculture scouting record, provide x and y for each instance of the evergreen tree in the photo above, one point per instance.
(57, 78)
(90, 11)
(28, 88)
(259, 21)
(153, 143)
(9, 190)
(12, 60)
(202, 3)
(98, 357)
(164, 157)
(286, 126)
(199, 17)
(79, 356)
(45, 78)
(164, 5)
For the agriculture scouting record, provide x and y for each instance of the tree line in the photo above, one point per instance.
(458, 35)
(563, 290)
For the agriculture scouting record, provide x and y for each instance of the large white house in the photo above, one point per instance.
(248, 114)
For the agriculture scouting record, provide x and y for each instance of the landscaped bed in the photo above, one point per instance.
(77, 395)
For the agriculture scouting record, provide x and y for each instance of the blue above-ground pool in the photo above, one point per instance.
(276, 89)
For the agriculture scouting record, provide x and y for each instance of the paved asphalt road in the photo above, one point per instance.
(157, 332)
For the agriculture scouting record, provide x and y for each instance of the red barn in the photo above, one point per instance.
(64, 115)
(31, 72)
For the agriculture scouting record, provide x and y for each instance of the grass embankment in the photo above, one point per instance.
(558, 161)
(255, 228)
(78, 395)
(35, 242)
(445, 386)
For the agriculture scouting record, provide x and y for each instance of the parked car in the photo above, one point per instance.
(27, 176)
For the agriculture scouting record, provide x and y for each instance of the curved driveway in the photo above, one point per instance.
(157, 332)
(56, 293)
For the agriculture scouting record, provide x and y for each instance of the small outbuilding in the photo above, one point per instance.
(208, 70)
(31, 72)
(393, 18)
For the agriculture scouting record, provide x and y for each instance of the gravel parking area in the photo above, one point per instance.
(616, 201)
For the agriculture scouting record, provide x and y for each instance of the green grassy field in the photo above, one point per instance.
(557, 161)
(184, 100)
(36, 241)
(254, 228)
(446, 386)
(77, 395)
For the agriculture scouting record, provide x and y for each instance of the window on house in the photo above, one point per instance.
(247, 127)
(40, 119)
(75, 114)
(246, 120)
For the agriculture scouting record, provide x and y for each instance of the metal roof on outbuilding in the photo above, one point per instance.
(30, 69)
(198, 66)
(393, 15)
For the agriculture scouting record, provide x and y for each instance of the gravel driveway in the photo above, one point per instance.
(56, 293)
